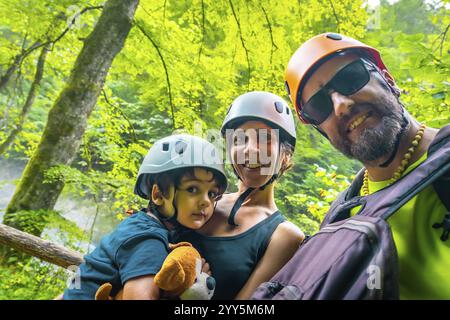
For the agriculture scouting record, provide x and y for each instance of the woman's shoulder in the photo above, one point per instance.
(288, 233)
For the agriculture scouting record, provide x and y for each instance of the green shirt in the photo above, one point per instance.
(424, 260)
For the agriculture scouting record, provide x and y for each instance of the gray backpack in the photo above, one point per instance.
(355, 257)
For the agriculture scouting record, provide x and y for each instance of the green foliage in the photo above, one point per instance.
(416, 48)
(32, 222)
(309, 201)
(24, 278)
(31, 281)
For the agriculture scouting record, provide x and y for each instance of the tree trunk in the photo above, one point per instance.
(67, 119)
(42, 249)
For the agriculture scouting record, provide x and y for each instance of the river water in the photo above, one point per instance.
(80, 211)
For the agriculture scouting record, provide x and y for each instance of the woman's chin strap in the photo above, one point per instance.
(237, 205)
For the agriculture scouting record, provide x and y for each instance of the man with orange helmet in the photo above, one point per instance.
(342, 87)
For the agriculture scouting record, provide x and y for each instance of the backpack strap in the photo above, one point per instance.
(440, 139)
(442, 184)
(442, 188)
(432, 171)
(347, 199)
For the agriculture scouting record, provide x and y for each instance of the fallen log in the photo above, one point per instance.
(39, 248)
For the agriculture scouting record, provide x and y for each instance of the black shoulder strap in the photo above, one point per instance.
(338, 210)
(440, 139)
(353, 189)
(442, 188)
(442, 185)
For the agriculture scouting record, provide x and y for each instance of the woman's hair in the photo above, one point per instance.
(173, 177)
(286, 149)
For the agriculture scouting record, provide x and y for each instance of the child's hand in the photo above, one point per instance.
(205, 267)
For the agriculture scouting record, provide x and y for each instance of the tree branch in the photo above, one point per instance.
(11, 100)
(91, 233)
(243, 44)
(203, 31)
(13, 67)
(72, 22)
(37, 247)
(272, 50)
(29, 101)
(335, 16)
(38, 44)
(165, 70)
(443, 35)
(132, 131)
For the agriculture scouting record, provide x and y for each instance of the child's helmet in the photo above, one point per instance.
(175, 152)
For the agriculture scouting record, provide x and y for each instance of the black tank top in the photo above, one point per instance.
(233, 258)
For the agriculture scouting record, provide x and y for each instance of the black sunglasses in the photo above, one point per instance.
(350, 79)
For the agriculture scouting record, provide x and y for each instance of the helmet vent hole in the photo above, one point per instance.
(165, 146)
(287, 110)
(279, 107)
(180, 147)
(334, 36)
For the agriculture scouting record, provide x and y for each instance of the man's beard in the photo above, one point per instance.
(377, 142)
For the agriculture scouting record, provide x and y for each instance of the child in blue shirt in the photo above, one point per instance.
(182, 176)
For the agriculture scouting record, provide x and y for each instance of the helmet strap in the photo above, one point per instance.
(397, 139)
(237, 205)
(173, 219)
(321, 131)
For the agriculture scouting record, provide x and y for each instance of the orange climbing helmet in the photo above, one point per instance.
(310, 55)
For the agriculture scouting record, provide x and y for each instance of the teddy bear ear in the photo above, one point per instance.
(179, 244)
(103, 293)
(170, 276)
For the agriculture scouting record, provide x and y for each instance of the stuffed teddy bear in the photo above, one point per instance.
(180, 275)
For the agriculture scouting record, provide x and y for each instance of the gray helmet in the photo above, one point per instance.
(175, 152)
(261, 105)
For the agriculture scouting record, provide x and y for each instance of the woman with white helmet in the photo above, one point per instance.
(247, 240)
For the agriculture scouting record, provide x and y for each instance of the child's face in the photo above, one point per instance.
(195, 198)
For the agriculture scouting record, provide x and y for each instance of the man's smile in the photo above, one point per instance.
(357, 121)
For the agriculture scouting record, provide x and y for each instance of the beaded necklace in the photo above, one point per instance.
(403, 165)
